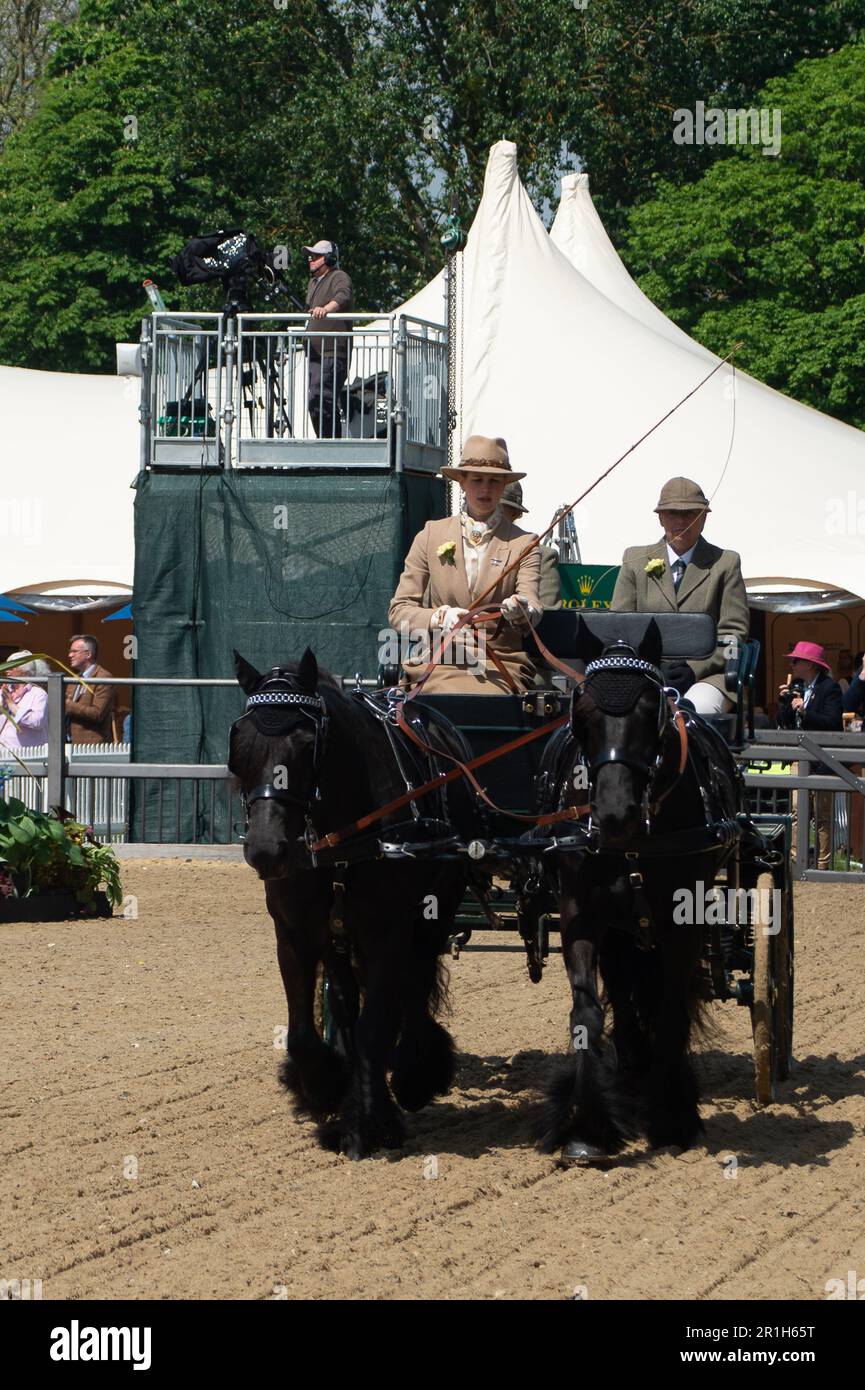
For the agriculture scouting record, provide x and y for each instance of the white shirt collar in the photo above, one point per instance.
(673, 557)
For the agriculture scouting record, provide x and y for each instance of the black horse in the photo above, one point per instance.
(664, 795)
(310, 760)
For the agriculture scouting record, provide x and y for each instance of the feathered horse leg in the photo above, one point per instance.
(585, 1113)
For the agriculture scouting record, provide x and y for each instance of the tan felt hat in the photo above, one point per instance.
(682, 495)
(482, 455)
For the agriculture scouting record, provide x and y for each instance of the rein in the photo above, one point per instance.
(461, 769)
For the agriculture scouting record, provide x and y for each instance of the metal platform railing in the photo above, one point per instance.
(261, 391)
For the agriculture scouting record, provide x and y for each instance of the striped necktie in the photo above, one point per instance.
(678, 570)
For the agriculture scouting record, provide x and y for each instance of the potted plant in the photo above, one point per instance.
(52, 867)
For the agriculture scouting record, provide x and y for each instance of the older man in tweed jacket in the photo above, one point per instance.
(685, 573)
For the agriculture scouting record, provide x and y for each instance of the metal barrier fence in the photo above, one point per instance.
(100, 802)
(820, 783)
(259, 391)
(94, 780)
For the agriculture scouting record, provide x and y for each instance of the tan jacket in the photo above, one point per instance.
(90, 715)
(712, 583)
(430, 580)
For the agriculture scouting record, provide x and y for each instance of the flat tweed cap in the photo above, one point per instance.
(513, 497)
(682, 495)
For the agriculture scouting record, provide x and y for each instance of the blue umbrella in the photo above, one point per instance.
(125, 613)
(9, 608)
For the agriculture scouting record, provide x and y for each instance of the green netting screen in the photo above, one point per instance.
(267, 564)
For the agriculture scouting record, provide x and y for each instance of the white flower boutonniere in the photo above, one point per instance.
(446, 552)
(655, 567)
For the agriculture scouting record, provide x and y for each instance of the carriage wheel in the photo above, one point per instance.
(784, 981)
(771, 1010)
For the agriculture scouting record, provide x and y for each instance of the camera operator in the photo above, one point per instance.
(329, 291)
(812, 700)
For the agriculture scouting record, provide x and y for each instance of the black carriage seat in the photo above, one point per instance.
(684, 637)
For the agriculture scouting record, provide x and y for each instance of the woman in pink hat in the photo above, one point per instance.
(818, 707)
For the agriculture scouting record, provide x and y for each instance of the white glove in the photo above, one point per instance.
(516, 610)
(446, 618)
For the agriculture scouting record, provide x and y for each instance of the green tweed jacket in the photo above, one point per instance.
(712, 583)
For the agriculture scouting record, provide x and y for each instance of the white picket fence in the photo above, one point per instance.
(96, 801)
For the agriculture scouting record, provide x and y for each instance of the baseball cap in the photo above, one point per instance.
(321, 248)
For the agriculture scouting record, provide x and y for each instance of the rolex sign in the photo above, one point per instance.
(588, 586)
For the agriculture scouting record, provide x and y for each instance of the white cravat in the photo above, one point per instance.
(476, 536)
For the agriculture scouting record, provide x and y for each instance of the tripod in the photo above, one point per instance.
(272, 365)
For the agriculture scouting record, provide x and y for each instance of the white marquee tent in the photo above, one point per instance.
(69, 446)
(567, 359)
(562, 354)
(579, 232)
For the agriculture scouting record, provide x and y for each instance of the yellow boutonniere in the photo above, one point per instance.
(446, 552)
(655, 567)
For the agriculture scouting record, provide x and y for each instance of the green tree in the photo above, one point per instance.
(771, 251)
(27, 37)
(356, 119)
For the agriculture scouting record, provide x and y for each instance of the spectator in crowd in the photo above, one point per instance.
(88, 707)
(845, 669)
(854, 695)
(23, 707)
(818, 707)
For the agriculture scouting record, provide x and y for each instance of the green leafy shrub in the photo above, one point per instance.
(54, 854)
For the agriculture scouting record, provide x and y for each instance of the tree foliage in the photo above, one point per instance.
(362, 120)
(772, 250)
(27, 37)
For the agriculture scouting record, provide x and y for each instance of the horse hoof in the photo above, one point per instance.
(581, 1154)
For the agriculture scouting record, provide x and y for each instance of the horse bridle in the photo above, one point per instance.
(624, 664)
(276, 693)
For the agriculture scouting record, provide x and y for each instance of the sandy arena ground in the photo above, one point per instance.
(147, 1151)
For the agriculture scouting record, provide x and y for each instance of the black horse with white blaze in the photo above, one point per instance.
(664, 796)
(310, 760)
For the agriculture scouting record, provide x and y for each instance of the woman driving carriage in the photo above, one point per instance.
(451, 563)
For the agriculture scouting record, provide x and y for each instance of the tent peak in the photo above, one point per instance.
(501, 174)
(571, 182)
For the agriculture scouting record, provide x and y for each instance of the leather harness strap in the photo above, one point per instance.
(335, 837)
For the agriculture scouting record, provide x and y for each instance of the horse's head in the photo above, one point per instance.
(275, 752)
(620, 717)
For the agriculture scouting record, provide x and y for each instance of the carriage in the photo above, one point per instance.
(517, 843)
(748, 941)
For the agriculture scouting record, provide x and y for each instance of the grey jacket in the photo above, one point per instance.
(335, 284)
